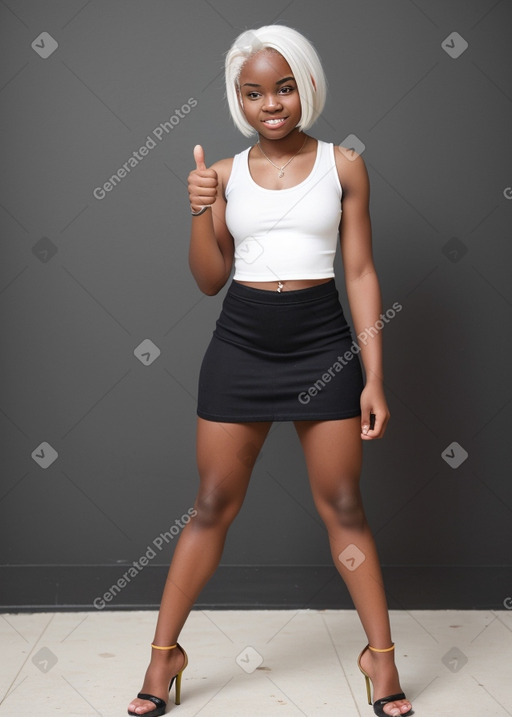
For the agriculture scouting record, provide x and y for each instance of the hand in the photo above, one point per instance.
(373, 401)
(202, 182)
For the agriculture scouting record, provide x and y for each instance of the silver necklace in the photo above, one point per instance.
(281, 169)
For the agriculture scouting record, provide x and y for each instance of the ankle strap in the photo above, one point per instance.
(387, 649)
(170, 647)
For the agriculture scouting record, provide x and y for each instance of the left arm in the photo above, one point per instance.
(362, 285)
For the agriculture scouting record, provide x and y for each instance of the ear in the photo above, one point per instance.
(313, 82)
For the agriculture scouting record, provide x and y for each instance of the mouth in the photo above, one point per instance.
(274, 121)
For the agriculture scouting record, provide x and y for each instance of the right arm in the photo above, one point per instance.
(211, 250)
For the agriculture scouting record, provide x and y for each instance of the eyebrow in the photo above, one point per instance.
(279, 82)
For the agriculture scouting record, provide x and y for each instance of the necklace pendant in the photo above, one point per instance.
(280, 286)
(281, 173)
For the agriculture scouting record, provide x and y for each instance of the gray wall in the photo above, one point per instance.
(85, 280)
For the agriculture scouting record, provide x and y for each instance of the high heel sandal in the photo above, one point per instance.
(378, 705)
(160, 705)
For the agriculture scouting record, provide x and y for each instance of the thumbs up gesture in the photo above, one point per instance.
(202, 182)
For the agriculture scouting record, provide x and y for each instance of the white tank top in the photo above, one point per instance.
(285, 233)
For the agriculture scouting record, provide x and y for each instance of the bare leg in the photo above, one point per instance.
(226, 453)
(333, 452)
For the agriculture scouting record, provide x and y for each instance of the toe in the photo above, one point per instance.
(396, 709)
(392, 710)
(140, 707)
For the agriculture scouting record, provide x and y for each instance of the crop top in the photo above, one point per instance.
(285, 233)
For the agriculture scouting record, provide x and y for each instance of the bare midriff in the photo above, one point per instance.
(286, 285)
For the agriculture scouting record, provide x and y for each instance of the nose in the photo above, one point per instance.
(272, 103)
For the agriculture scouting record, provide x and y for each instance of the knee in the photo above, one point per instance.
(214, 508)
(346, 509)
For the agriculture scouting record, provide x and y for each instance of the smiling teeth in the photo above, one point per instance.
(274, 121)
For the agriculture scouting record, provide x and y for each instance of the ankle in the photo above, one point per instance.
(381, 650)
(380, 663)
(165, 657)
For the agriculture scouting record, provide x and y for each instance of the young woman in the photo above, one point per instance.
(282, 349)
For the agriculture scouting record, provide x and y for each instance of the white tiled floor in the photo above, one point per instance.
(92, 663)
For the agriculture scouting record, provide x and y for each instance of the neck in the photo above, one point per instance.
(282, 147)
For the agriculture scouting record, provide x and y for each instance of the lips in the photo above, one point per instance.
(274, 121)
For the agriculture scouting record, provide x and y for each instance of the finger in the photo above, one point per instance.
(370, 426)
(206, 188)
(199, 157)
(374, 427)
(202, 200)
(368, 435)
(365, 422)
(200, 182)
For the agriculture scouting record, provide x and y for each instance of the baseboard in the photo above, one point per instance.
(107, 587)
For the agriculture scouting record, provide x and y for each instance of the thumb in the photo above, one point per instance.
(199, 157)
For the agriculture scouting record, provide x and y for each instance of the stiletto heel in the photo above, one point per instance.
(378, 705)
(177, 689)
(368, 688)
(160, 705)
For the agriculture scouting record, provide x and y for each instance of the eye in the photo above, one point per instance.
(287, 89)
(253, 95)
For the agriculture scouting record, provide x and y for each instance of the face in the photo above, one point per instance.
(269, 96)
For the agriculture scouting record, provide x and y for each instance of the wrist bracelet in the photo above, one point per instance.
(201, 211)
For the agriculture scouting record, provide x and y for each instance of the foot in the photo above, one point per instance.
(381, 668)
(162, 668)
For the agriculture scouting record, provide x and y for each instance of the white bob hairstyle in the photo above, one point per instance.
(304, 63)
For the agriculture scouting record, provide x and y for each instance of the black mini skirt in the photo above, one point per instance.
(286, 356)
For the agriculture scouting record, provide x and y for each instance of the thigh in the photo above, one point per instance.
(333, 453)
(226, 454)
